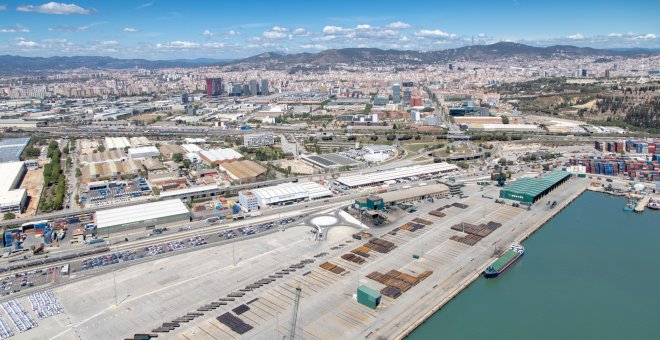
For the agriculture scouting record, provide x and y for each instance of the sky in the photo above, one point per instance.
(161, 29)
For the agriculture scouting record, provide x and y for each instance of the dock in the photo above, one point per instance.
(642, 203)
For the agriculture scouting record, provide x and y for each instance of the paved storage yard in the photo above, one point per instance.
(163, 290)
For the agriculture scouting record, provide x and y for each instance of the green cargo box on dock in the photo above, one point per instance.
(368, 297)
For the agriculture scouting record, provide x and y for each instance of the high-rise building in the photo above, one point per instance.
(236, 90)
(607, 73)
(450, 66)
(407, 94)
(254, 87)
(264, 87)
(246, 89)
(213, 87)
(396, 93)
(584, 72)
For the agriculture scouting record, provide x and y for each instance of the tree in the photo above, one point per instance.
(177, 157)
(9, 216)
(101, 148)
(505, 120)
(502, 161)
(186, 163)
(463, 165)
(78, 172)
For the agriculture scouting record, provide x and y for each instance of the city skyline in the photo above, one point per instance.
(168, 30)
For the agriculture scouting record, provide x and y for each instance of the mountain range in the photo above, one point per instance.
(17, 65)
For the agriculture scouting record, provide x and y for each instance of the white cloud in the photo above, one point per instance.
(214, 45)
(67, 28)
(481, 35)
(432, 34)
(178, 44)
(208, 33)
(299, 31)
(3, 7)
(335, 30)
(55, 8)
(398, 25)
(576, 36)
(130, 29)
(275, 33)
(313, 47)
(22, 42)
(109, 42)
(646, 36)
(232, 32)
(615, 35)
(16, 29)
(145, 5)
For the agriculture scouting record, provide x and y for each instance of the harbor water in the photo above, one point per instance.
(592, 272)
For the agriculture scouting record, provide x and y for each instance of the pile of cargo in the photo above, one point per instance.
(353, 258)
(362, 251)
(380, 245)
(332, 268)
(234, 323)
(474, 232)
(459, 205)
(422, 221)
(241, 309)
(361, 235)
(437, 213)
(412, 226)
(470, 240)
(397, 282)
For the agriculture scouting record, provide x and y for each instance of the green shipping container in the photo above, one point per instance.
(368, 297)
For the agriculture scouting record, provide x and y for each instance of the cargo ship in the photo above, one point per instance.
(505, 261)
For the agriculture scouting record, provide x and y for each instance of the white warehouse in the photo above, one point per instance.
(12, 199)
(282, 194)
(143, 152)
(376, 178)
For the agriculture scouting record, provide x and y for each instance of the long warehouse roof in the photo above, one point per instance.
(393, 196)
(535, 186)
(377, 177)
(8, 195)
(140, 212)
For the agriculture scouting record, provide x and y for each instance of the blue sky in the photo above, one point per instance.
(160, 29)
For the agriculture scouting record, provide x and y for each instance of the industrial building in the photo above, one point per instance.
(117, 155)
(245, 171)
(143, 152)
(219, 156)
(330, 161)
(11, 149)
(116, 143)
(12, 199)
(258, 139)
(168, 150)
(112, 170)
(282, 194)
(530, 190)
(377, 178)
(392, 198)
(146, 215)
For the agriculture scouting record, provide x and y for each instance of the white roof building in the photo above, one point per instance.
(11, 198)
(216, 156)
(116, 143)
(286, 192)
(143, 215)
(191, 148)
(388, 175)
(143, 152)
